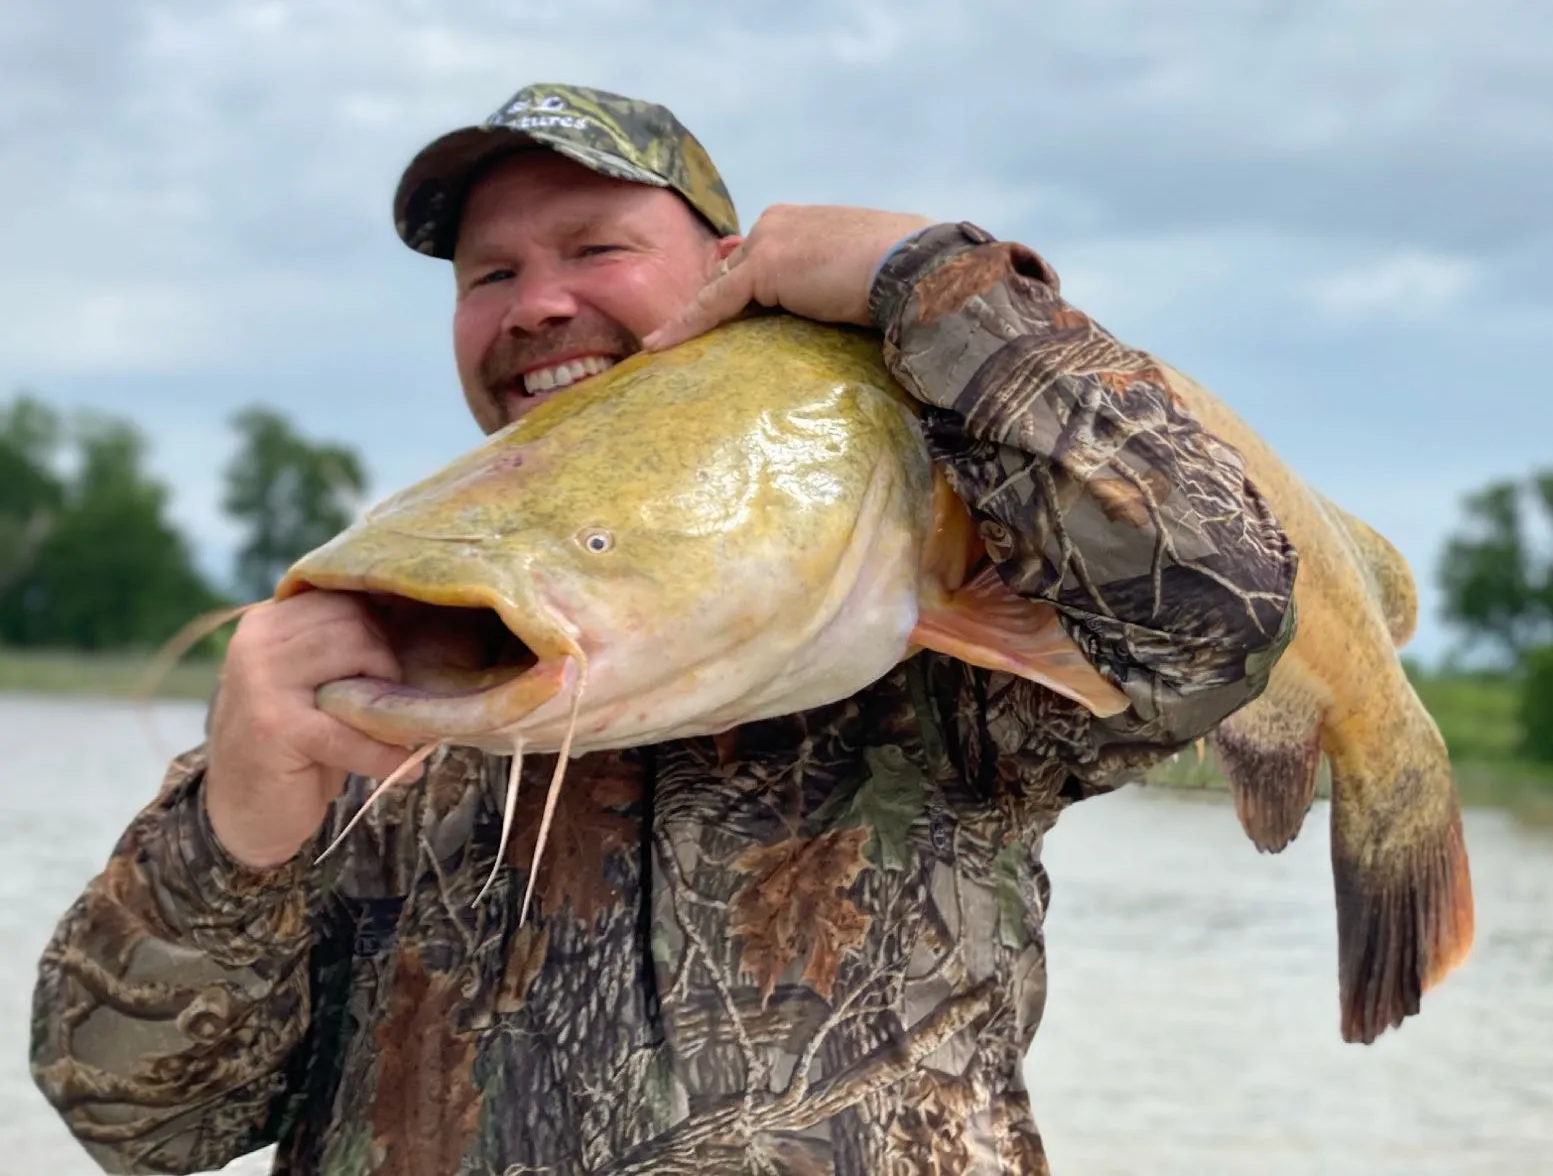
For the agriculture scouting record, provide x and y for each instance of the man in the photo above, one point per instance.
(811, 945)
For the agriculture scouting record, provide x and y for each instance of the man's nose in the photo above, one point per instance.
(539, 300)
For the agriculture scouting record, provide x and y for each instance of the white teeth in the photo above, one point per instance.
(562, 375)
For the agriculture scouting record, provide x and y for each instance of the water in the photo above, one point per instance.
(1192, 1014)
(77, 772)
(1192, 1023)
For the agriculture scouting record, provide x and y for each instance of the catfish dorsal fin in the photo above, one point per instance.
(1385, 571)
(986, 624)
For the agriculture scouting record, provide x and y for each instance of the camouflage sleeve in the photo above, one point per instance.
(172, 994)
(1096, 490)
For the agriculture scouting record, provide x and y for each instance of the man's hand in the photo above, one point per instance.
(817, 261)
(276, 761)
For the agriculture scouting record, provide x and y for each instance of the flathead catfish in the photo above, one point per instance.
(750, 525)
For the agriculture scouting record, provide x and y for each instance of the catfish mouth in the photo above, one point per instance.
(466, 669)
(448, 651)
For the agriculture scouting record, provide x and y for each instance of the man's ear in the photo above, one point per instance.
(726, 245)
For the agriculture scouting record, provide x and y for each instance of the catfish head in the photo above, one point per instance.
(689, 541)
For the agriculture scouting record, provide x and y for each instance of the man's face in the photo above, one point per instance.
(561, 272)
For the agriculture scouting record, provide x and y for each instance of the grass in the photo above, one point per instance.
(1476, 714)
(1525, 788)
(111, 675)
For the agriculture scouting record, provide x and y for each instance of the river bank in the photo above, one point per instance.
(100, 675)
(1476, 714)
(1525, 789)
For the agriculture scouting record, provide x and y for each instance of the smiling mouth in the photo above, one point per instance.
(553, 377)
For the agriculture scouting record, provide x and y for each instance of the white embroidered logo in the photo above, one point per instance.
(550, 111)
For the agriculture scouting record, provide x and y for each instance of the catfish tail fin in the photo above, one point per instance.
(1399, 865)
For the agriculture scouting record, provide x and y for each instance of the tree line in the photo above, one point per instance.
(1496, 575)
(89, 558)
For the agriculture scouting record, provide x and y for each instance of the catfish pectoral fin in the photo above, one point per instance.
(1270, 753)
(987, 625)
(1404, 891)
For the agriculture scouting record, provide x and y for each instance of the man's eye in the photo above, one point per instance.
(499, 275)
(598, 250)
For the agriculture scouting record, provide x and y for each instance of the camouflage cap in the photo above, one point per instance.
(615, 136)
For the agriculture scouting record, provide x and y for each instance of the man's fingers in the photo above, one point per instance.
(329, 742)
(312, 638)
(348, 652)
(303, 650)
(306, 611)
(721, 299)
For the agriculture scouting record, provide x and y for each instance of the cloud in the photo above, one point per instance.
(123, 326)
(1407, 286)
(1334, 213)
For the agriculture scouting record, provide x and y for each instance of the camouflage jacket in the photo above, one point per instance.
(811, 945)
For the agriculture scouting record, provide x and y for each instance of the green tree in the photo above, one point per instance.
(1541, 490)
(291, 496)
(1536, 708)
(31, 493)
(113, 571)
(1496, 577)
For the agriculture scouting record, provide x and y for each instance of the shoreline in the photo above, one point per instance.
(67, 673)
(1494, 780)
(1520, 786)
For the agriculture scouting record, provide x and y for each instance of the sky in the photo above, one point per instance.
(1338, 214)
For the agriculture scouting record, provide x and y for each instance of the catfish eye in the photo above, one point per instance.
(596, 540)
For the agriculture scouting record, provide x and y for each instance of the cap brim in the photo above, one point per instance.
(431, 192)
